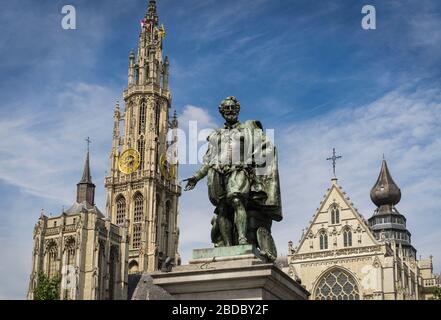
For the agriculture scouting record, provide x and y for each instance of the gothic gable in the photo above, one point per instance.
(337, 224)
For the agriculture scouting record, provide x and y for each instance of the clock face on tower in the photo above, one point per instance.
(129, 161)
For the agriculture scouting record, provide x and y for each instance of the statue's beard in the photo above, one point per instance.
(231, 117)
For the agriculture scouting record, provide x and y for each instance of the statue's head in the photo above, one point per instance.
(229, 109)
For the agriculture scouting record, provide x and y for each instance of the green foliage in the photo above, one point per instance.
(436, 294)
(47, 289)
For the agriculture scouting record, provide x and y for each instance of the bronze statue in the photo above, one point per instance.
(243, 182)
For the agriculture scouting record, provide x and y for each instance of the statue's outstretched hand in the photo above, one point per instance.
(191, 183)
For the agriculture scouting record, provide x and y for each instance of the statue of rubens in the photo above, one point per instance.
(243, 182)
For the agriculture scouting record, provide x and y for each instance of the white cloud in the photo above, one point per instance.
(200, 115)
(45, 150)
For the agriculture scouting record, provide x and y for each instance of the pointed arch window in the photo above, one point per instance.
(141, 150)
(337, 284)
(136, 243)
(120, 210)
(142, 113)
(335, 214)
(323, 240)
(51, 252)
(139, 208)
(137, 220)
(70, 261)
(133, 267)
(347, 237)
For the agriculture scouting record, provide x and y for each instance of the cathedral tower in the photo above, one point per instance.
(387, 223)
(142, 187)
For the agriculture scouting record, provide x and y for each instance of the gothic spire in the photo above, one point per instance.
(385, 192)
(85, 188)
(152, 7)
(86, 178)
(151, 14)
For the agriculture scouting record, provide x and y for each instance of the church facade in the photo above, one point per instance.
(82, 247)
(343, 256)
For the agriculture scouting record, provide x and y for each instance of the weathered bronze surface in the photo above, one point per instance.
(243, 182)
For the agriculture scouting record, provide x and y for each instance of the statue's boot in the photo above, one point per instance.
(225, 229)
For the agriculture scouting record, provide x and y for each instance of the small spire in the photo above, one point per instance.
(87, 178)
(152, 7)
(385, 192)
(86, 188)
(151, 14)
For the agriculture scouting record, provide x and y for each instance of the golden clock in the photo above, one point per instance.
(129, 161)
(167, 170)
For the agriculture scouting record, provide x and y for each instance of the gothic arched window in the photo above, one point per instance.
(51, 252)
(323, 240)
(335, 214)
(136, 243)
(141, 150)
(139, 208)
(120, 210)
(70, 261)
(142, 112)
(137, 220)
(337, 284)
(70, 265)
(347, 237)
(133, 267)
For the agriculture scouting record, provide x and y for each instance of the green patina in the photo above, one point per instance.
(243, 184)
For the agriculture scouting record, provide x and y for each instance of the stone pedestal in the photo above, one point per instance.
(227, 273)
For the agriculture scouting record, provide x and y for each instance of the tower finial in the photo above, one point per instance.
(334, 159)
(88, 141)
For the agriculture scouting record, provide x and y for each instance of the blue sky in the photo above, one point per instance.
(305, 68)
